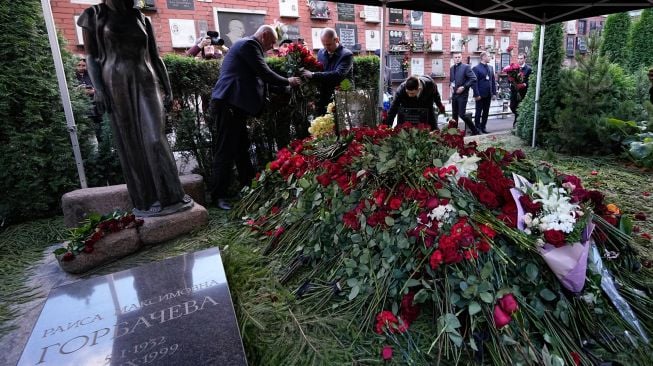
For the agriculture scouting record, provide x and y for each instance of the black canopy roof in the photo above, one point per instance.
(524, 11)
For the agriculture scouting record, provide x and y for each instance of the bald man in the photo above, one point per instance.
(338, 65)
(237, 95)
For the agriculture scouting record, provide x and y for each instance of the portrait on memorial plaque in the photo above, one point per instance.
(234, 25)
(416, 19)
(182, 32)
(319, 9)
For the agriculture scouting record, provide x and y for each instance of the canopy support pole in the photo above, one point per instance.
(538, 82)
(382, 55)
(63, 89)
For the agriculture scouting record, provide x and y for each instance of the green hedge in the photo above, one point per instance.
(549, 87)
(36, 160)
(641, 34)
(615, 32)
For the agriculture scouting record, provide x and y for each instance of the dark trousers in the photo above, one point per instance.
(230, 145)
(458, 107)
(482, 112)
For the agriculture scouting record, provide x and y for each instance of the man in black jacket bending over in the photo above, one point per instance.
(417, 92)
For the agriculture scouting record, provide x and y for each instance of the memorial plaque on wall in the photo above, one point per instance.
(372, 14)
(202, 27)
(290, 32)
(181, 4)
(416, 19)
(319, 9)
(289, 8)
(394, 64)
(348, 34)
(417, 37)
(396, 16)
(397, 40)
(372, 39)
(174, 312)
(346, 12)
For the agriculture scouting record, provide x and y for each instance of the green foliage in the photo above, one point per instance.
(589, 93)
(36, 160)
(366, 72)
(192, 81)
(550, 85)
(616, 30)
(640, 40)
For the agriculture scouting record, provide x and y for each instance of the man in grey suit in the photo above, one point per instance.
(462, 78)
(237, 95)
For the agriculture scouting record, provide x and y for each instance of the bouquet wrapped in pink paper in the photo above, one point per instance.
(563, 228)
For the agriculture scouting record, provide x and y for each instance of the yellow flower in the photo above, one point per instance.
(613, 209)
(322, 125)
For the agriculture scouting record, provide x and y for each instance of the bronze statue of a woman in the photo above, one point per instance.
(127, 72)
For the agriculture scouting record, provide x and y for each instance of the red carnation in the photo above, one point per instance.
(488, 231)
(555, 237)
(351, 221)
(640, 216)
(488, 199)
(68, 257)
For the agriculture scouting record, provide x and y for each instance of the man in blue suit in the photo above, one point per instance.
(338, 63)
(237, 95)
(485, 89)
(462, 78)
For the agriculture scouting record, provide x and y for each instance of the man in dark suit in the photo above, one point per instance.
(237, 95)
(485, 89)
(419, 92)
(462, 78)
(338, 63)
(518, 91)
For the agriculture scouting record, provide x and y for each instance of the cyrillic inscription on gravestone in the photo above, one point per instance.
(174, 312)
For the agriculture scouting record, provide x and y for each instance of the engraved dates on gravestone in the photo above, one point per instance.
(173, 312)
(181, 4)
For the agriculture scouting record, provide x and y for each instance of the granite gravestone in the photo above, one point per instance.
(174, 312)
(348, 34)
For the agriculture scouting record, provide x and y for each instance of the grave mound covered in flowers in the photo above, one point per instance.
(443, 253)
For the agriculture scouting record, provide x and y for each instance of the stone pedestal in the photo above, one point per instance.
(79, 203)
(111, 247)
(159, 229)
(153, 231)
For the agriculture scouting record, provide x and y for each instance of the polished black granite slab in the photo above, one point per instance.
(174, 312)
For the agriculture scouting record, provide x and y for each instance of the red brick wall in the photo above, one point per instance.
(64, 12)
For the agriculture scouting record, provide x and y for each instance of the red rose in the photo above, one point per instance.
(501, 318)
(640, 216)
(555, 237)
(436, 259)
(488, 231)
(323, 179)
(351, 221)
(488, 199)
(483, 246)
(386, 353)
(576, 357)
(395, 203)
(508, 303)
(409, 311)
(68, 257)
(528, 205)
(88, 249)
